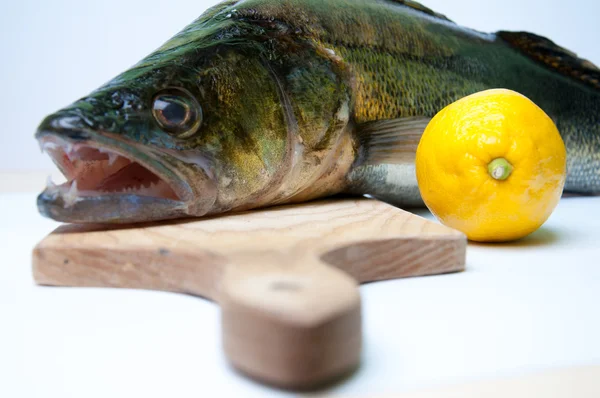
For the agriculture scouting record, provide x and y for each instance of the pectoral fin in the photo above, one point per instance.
(385, 166)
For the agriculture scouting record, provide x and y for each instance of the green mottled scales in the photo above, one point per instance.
(407, 63)
(301, 99)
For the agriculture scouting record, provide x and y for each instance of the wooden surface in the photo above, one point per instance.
(285, 277)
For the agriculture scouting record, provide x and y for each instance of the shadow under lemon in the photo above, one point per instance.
(543, 236)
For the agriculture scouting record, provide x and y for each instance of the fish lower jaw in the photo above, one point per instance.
(70, 194)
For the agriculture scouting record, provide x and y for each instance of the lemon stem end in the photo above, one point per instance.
(500, 169)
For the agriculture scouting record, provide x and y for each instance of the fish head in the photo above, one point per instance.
(186, 132)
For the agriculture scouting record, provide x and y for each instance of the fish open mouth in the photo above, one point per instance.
(93, 171)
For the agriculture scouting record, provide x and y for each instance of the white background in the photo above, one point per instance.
(54, 52)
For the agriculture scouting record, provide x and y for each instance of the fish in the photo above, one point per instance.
(262, 102)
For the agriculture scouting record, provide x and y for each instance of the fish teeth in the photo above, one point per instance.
(68, 148)
(71, 196)
(46, 145)
(49, 183)
(51, 188)
(112, 158)
(70, 151)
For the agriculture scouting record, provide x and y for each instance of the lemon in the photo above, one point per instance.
(492, 165)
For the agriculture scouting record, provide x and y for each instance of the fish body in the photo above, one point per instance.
(264, 102)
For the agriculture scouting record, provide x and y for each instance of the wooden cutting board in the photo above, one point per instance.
(285, 277)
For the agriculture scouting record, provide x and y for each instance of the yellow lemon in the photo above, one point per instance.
(492, 165)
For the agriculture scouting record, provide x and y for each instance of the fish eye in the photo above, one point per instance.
(177, 112)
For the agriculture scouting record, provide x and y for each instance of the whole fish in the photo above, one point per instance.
(264, 102)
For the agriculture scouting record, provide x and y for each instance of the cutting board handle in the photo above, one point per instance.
(291, 321)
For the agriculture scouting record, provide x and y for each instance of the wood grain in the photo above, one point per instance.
(285, 277)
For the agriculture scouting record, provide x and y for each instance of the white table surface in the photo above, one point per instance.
(518, 308)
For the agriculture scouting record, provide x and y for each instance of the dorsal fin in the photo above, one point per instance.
(554, 57)
(420, 7)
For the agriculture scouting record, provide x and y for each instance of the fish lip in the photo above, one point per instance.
(101, 209)
(53, 206)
